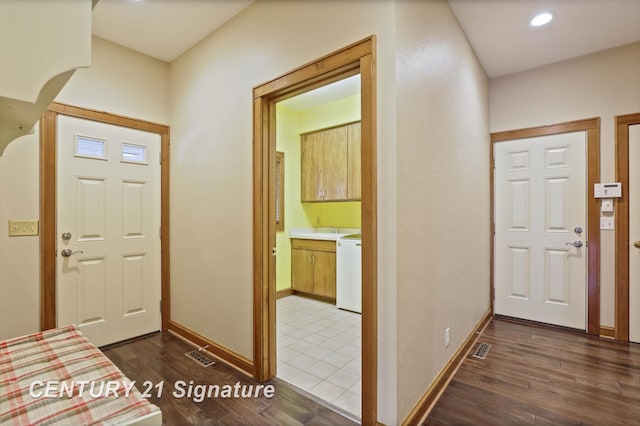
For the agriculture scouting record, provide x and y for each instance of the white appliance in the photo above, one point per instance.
(349, 273)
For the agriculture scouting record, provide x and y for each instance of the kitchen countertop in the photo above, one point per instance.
(322, 233)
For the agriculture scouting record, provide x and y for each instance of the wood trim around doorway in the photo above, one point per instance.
(48, 207)
(356, 58)
(622, 123)
(592, 127)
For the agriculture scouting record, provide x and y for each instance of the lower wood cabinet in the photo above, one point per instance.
(313, 267)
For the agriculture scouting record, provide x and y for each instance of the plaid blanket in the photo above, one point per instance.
(59, 377)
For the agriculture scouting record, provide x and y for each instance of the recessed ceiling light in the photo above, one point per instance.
(541, 19)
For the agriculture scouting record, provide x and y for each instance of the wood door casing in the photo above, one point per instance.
(592, 127)
(623, 122)
(359, 57)
(48, 203)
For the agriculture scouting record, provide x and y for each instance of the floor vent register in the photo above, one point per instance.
(482, 351)
(198, 357)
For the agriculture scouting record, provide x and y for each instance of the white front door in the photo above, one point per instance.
(634, 233)
(108, 226)
(540, 213)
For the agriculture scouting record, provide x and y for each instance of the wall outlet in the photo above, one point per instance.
(606, 222)
(447, 337)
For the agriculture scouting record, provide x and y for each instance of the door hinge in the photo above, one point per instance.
(160, 157)
(160, 305)
(160, 232)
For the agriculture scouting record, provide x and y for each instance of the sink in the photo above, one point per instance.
(324, 233)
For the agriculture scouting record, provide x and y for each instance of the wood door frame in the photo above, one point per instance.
(621, 215)
(353, 59)
(592, 127)
(48, 203)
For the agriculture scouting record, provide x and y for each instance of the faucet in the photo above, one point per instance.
(333, 230)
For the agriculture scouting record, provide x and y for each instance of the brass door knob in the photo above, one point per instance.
(636, 244)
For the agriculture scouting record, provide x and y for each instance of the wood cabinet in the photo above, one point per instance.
(313, 267)
(331, 164)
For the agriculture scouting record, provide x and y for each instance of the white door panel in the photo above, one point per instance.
(108, 194)
(540, 199)
(634, 233)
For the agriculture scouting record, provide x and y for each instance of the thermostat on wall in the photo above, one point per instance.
(608, 190)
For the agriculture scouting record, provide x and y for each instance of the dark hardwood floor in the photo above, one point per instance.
(540, 375)
(161, 358)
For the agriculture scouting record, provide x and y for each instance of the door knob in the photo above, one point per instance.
(576, 244)
(636, 244)
(68, 252)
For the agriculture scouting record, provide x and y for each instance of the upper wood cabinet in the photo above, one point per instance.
(331, 164)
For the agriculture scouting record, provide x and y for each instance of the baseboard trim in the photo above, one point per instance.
(228, 356)
(284, 293)
(431, 396)
(608, 332)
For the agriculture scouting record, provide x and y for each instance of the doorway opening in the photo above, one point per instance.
(318, 244)
(356, 59)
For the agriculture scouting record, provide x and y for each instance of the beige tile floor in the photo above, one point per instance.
(319, 350)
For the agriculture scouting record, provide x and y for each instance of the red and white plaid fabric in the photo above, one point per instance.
(62, 354)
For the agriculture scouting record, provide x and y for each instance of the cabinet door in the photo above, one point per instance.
(324, 274)
(335, 164)
(302, 270)
(353, 166)
(312, 157)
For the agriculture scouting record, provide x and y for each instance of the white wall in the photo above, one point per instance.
(119, 81)
(604, 84)
(443, 193)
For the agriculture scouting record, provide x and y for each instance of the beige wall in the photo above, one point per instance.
(441, 116)
(604, 85)
(443, 193)
(119, 81)
(211, 157)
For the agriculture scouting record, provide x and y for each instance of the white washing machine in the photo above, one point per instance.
(349, 273)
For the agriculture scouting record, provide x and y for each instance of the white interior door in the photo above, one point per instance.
(540, 212)
(108, 217)
(634, 233)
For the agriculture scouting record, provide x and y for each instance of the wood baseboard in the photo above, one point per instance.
(226, 355)
(430, 397)
(284, 293)
(608, 332)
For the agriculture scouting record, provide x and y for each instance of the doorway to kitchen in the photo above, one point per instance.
(356, 59)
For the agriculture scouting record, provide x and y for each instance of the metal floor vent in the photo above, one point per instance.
(482, 351)
(198, 357)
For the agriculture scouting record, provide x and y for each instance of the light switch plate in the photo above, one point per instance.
(606, 222)
(23, 228)
(607, 205)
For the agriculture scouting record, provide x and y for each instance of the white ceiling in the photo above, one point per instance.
(163, 29)
(498, 30)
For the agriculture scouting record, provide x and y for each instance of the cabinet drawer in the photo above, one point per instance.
(317, 245)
